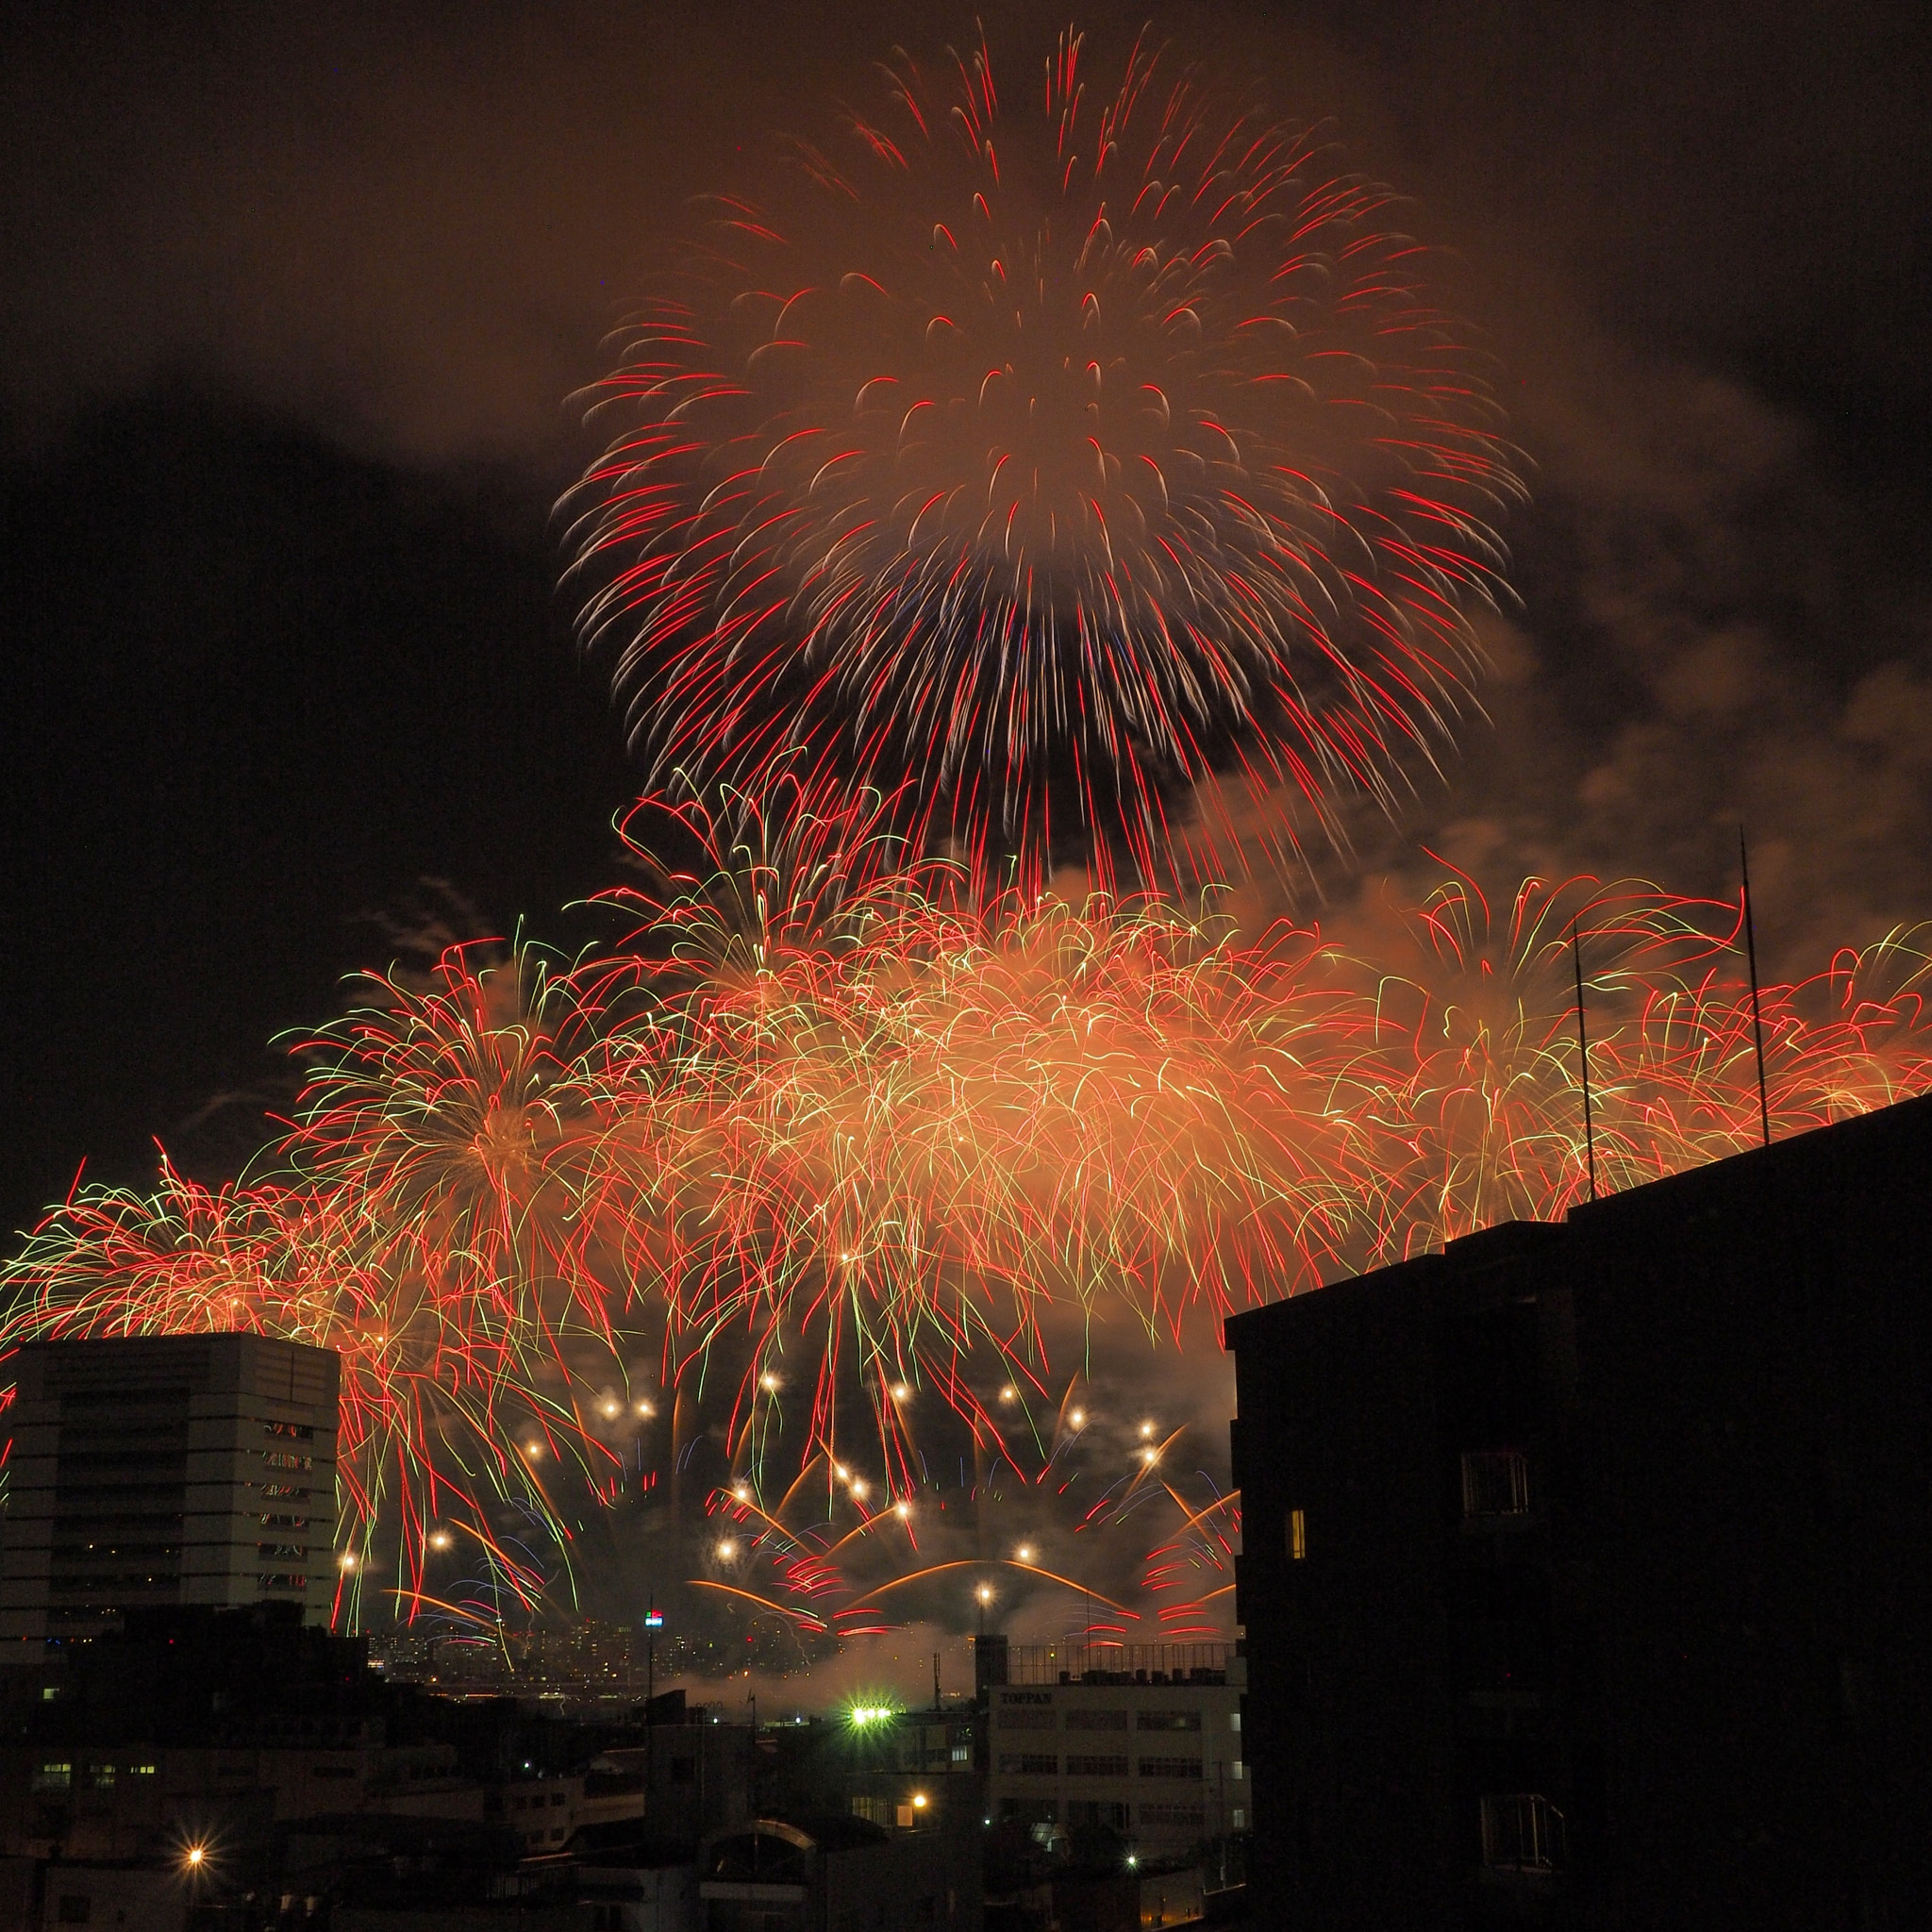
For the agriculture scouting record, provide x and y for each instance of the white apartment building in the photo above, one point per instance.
(155, 1470)
(1154, 1753)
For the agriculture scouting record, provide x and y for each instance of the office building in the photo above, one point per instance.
(155, 1471)
(1145, 1741)
(1588, 1565)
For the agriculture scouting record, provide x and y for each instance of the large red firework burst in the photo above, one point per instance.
(1044, 456)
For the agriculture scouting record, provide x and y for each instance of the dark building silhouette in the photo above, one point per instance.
(1589, 1565)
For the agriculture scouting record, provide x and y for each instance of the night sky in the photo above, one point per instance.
(294, 302)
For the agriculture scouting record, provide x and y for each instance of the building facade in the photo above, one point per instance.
(1148, 1746)
(155, 1471)
(1588, 1565)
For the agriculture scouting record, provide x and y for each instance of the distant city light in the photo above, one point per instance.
(859, 1486)
(1024, 1554)
(919, 1800)
(1079, 1418)
(347, 1560)
(727, 1550)
(645, 1411)
(654, 1620)
(900, 1392)
(1009, 1393)
(613, 1407)
(902, 1508)
(441, 1539)
(860, 1715)
(1146, 1428)
(769, 1384)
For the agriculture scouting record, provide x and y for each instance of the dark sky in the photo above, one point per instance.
(292, 300)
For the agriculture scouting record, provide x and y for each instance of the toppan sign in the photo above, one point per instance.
(1026, 1696)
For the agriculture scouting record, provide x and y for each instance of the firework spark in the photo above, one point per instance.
(787, 1205)
(1039, 456)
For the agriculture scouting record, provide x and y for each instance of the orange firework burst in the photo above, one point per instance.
(803, 1186)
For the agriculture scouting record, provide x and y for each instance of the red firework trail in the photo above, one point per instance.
(1039, 458)
(818, 1172)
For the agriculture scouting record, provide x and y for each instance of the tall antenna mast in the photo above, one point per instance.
(1756, 1014)
(1583, 1059)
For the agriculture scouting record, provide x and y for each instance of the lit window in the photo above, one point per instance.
(54, 1778)
(1167, 1719)
(1297, 1535)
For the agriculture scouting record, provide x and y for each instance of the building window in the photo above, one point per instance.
(1096, 1720)
(1234, 1721)
(1172, 1818)
(1522, 1832)
(1097, 1811)
(1030, 1810)
(1167, 1720)
(1496, 1482)
(1024, 1719)
(1236, 1770)
(54, 1778)
(1171, 1767)
(1240, 1819)
(1078, 1766)
(1029, 1764)
(1297, 1537)
(100, 1777)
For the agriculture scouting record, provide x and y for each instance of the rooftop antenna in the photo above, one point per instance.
(1583, 1059)
(1757, 1015)
(935, 1680)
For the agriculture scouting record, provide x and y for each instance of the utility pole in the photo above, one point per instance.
(1757, 1016)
